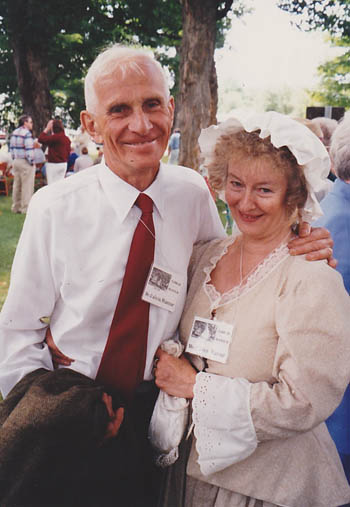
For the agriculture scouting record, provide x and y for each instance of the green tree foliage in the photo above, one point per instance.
(68, 35)
(332, 16)
(335, 78)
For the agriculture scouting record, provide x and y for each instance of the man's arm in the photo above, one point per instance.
(31, 296)
(29, 148)
(12, 146)
(46, 136)
(210, 223)
(316, 243)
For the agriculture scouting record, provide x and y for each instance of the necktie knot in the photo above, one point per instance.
(145, 203)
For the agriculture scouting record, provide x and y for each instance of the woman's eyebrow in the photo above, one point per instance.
(262, 182)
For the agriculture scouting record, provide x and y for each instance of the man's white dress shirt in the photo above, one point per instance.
(70, 262)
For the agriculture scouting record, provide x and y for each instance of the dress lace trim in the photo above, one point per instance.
(224, 432)
(262, 270)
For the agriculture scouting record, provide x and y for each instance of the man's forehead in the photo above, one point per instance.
(132, 86)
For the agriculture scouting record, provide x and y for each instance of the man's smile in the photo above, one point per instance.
(139, 143)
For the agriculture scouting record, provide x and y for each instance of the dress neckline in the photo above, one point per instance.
(259, 273)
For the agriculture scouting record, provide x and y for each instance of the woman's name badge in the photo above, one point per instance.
(210, 339)
(162, 288)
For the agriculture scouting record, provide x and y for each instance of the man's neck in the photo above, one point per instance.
(141, 179)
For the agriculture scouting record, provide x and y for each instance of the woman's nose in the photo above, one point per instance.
(246, 202)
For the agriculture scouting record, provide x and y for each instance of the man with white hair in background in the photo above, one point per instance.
(93, 239)
(83, 161)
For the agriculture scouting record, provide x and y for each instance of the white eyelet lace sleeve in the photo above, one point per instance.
(223, 425)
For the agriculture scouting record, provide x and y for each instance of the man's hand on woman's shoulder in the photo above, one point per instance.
(316, 243)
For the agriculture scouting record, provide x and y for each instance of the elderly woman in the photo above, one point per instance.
(59, 150)
(278, 361)
(336, 208)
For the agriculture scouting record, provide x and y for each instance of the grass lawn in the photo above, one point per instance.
(10, 229)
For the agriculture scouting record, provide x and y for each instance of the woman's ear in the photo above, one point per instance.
(89, 123)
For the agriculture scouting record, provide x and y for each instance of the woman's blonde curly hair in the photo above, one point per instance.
(238, 143)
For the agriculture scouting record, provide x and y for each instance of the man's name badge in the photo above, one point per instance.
(210, 339)
(162, 288)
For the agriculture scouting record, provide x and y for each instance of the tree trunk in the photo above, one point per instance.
(30, 59)
(213, 83)
(198, 83)
(33, 85)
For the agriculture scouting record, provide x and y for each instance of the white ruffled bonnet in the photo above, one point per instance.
(308, 150)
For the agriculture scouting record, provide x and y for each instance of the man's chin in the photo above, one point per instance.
(144, 162)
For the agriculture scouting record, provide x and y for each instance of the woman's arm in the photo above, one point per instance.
(231, 415)
(311, 364)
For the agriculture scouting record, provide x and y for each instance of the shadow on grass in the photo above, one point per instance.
(10, 228)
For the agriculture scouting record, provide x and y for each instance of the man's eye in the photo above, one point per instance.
(265, 190)
(236, 184)
(118, 109)
(152, 104)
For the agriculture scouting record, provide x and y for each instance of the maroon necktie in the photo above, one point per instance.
(124, 357)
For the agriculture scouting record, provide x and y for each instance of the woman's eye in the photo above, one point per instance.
(265, 190)
(236, 184)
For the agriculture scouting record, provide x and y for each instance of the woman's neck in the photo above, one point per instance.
(260, 247)
(253, 251)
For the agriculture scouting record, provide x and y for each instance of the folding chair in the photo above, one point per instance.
(4, 188)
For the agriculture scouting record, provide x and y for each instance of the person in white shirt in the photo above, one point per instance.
(5, 158)
(69, 266)
(84, 161)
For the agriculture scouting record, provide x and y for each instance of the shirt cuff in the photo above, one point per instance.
(223, 425)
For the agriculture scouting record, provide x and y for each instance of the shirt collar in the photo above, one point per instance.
(122, 196)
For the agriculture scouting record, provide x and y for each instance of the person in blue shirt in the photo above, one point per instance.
(174, 146)
(336, 218)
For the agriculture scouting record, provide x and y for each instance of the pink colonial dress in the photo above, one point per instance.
(259, 437)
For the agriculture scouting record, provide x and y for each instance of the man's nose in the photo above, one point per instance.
(140, 123)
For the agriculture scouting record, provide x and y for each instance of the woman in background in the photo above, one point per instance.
(59, 150)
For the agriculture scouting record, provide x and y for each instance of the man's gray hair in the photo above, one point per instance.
(123, 59)
(328, 126)
(340, 150)
(22, 119)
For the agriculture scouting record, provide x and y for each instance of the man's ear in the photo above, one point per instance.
(90, 125)
(171, 108)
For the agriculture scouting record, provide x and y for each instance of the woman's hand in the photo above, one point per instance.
(48, 128)
(316, 243)
(175, 376)
(58, 358)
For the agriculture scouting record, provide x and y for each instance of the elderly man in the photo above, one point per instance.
(83, 260)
